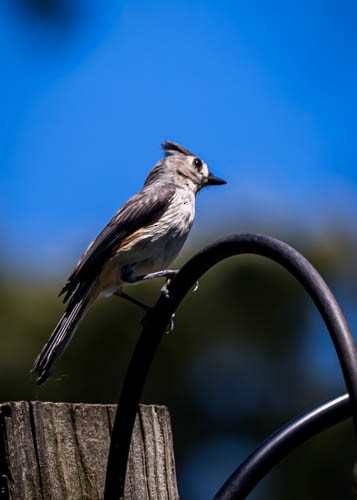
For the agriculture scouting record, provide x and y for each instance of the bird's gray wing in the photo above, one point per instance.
(139, 211)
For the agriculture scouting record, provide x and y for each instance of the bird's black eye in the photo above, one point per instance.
(198, 164)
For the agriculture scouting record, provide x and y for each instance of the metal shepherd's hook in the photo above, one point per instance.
(156, 321)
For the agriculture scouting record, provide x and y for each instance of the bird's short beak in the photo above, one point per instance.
(212, 180)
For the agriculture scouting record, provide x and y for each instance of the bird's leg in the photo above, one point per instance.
(131, 277)
(166, 273)
(133, 300)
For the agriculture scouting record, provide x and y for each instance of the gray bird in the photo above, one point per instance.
(140, 241)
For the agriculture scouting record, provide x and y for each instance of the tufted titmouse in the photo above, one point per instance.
(139, 242)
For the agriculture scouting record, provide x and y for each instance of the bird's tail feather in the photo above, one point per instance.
(62, 334)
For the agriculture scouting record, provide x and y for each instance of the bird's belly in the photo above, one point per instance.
(158, 255)
(149, 254)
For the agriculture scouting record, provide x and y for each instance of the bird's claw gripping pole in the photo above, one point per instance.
(158, 318)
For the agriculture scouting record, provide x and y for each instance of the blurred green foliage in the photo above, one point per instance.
(234, 369)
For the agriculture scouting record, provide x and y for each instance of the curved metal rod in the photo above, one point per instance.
(156, 320)
(280, 443)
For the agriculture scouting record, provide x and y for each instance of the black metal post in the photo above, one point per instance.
(156, 321)
(280, 443)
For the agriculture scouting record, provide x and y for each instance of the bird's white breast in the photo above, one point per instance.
(161, 242)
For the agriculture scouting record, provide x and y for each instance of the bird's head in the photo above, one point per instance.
(189, 166)
(183, 167)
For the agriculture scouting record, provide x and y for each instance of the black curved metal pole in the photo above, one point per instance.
(156, 321)
(280, 443)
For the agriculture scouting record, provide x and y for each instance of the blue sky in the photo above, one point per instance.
(265, 92)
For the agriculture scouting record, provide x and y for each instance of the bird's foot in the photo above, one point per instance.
(165, 290)
(171, 324)
(165, 287)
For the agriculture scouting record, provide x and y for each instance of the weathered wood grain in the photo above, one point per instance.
(58, 451)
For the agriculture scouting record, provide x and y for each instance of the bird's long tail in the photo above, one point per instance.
(63, 333)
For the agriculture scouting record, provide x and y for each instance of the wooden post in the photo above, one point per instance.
(59, 451)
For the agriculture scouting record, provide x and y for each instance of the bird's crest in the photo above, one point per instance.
(172, 148)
